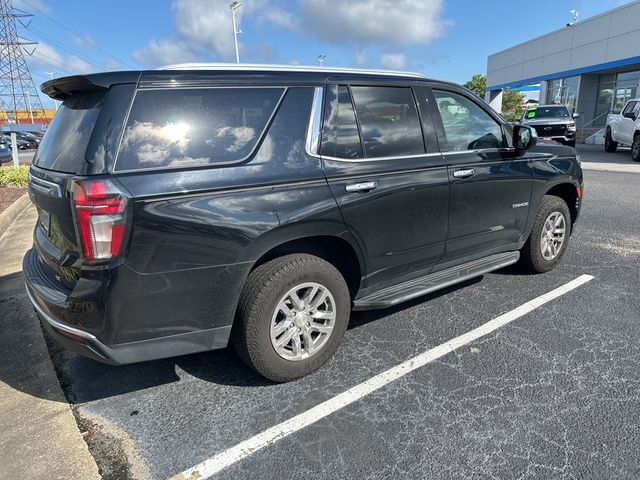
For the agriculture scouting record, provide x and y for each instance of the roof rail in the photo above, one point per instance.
(284, 68)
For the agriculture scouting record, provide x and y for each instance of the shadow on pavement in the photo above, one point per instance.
(86, 380)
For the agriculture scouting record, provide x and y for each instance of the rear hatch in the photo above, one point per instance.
(79, 145)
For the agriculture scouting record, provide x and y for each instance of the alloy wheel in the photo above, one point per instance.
(303, 321)
(553, 235)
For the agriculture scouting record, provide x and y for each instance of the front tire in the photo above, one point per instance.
(635, 148)
(292, 316)
(549, 237)
(609, 144)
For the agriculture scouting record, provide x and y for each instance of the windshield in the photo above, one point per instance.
(547, 112)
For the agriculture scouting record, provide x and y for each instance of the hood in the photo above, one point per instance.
(549, 121)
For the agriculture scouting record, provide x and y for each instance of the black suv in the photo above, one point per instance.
(552, 122)
(183, 207)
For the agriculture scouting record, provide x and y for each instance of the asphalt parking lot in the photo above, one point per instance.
(553, 394)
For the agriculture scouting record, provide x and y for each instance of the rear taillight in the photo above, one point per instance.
(101, 219)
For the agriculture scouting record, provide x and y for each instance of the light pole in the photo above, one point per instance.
(235, 6)
(321, 58)
(51, 75)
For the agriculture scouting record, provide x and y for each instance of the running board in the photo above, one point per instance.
(417, 287)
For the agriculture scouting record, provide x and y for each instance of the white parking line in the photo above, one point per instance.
(268, 437)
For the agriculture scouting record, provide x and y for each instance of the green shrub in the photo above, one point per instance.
(14, 176)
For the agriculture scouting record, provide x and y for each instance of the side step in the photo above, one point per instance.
(417, 287)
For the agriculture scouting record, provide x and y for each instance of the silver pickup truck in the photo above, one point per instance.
(624, 128)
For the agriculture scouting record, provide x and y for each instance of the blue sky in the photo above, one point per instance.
(441, 38)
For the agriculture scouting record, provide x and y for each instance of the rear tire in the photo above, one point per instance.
(609, 145)
(635, 148)
(546, 246)
(267, 315)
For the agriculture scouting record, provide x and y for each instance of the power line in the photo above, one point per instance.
(66, 48)
(45, 14)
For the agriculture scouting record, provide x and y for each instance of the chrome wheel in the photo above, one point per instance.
(553, 235)
(303, 321)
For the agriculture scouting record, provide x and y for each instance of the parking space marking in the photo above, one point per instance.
(215, 464)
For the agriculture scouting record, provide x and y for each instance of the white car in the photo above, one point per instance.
(624, 128)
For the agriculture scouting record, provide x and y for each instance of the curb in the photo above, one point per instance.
(12, 212)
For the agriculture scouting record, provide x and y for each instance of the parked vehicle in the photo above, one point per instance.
(183, 207)
(22, 144)
(30, 141)
(552, 122)
(5, 153)
(624, 128)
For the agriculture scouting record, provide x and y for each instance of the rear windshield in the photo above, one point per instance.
(547, 112)
(173, 128)
(64, 144)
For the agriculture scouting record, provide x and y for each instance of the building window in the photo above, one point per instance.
(614, 90)
(563, 91)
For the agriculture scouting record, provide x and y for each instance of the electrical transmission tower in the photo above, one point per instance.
(17, 90)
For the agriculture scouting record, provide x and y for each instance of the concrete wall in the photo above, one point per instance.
(610, 38)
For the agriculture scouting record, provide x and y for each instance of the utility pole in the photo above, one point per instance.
(321, 58)
(51, 75)
(17, 90)
(233, 7)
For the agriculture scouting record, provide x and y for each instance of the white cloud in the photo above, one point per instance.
(203, 30)
(165, 52)
(47, 57)
(398, 22)
(360, 57)
(84, 41)
(393, 61)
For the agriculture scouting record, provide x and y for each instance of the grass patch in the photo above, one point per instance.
(13, 176)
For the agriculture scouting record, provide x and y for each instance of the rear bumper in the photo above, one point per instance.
(86, 344)
(53, 306)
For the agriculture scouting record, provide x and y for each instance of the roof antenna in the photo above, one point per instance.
(574, 18)
(321, 58)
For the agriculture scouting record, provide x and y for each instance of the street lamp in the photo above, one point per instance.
(321, 58)
(51, 75)
(233, 7)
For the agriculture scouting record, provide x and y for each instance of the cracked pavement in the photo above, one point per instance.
(555, 394)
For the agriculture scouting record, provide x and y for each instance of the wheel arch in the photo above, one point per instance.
(328, 240)
(569, 193)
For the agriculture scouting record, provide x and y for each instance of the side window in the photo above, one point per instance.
(193, 127)
(629, 108)
(636, 110)
(340, 137)
(389, 122)
(466, 125)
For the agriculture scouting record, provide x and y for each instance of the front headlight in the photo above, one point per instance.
(571, 127)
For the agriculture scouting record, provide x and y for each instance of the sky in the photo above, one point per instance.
(446, 39)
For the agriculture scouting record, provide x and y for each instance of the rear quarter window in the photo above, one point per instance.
(64, 145)
(174, 128)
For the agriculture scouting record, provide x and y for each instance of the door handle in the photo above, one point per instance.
(464, 173)
(361, 187)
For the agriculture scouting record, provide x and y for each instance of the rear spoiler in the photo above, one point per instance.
(61, 88)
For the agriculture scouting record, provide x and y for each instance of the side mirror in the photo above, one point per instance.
(575, 115)
(524, 137)
(630, 115)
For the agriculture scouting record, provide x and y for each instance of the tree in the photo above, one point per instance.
(512, 102)
(477, 84)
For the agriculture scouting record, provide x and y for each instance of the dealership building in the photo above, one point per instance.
(592, 66)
